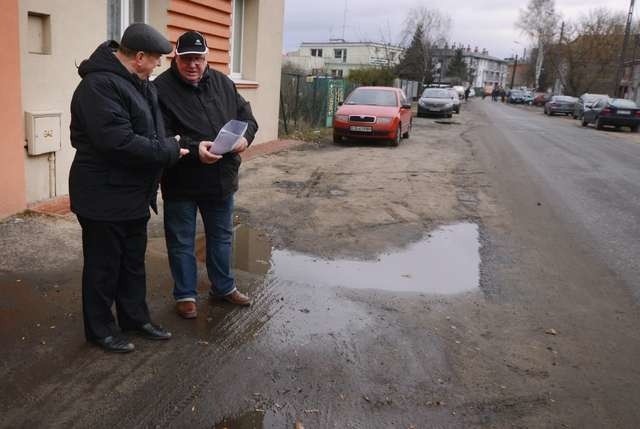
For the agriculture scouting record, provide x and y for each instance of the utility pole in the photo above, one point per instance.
(344, 19)
(616, 85)
(513, 75)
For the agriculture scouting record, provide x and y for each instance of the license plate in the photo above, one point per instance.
(434, 109)
(360, 129)
(624, 112)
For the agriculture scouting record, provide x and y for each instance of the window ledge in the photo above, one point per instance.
(245, 84)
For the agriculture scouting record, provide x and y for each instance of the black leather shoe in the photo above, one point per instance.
(152, 332)
(115, 344)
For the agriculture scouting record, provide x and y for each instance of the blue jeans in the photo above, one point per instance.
(180, 234)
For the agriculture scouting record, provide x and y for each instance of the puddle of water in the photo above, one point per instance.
(448, 262)
(251, 251)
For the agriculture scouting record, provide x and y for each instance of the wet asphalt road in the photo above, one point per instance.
(330, 356)
(591, 177)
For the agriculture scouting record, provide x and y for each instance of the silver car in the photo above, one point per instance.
(436, 101)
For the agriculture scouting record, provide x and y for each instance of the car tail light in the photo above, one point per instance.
(606, 111)
(637, 113)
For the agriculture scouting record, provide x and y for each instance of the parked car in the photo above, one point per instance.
(456, 99)
(516, 96)
(560, 104)
(375, 113)
(540, 98)
(436, 101)
(527, 97)
(618, 112)
(585, 101)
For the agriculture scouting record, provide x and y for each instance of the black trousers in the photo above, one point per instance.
(113, 271)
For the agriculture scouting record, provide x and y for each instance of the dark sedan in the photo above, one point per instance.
(515, 97)
(436, 101)
(613, 111)
(560, 104)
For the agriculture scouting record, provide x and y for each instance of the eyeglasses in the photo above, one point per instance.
(198, 59)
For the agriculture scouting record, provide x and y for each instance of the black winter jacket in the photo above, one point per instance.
(118, 133)
(196, 113)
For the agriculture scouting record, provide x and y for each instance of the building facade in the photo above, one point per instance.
(338, 57)
(51, 37)
(485, 71)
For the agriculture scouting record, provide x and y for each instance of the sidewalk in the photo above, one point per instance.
(59, 206)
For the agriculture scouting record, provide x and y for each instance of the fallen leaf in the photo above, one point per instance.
(551, 331)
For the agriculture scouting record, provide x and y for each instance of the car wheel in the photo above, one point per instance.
(396, 142)
(584, 122)
(406, 135)
(634, 129)
(337, 139)
(599, 124)
(545, 111)
(458, 110)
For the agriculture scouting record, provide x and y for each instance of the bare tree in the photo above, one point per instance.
(584, 60)
(436, 26)
(433, 27)
(539, 21)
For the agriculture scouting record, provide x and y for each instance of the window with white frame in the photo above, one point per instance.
(316, 52)
(237, 28)
(121, 13)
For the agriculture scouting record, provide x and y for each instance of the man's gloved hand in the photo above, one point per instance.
(183, 152)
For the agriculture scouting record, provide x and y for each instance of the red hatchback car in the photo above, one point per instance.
(373, 112)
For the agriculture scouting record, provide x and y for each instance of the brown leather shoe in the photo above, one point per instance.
(187, 309)
(237, 298)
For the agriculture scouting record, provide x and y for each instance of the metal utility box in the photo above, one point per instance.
(42, 132)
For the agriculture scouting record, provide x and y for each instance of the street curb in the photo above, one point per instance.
(60, 206)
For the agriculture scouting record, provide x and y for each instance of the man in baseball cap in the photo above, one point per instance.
(196, 102)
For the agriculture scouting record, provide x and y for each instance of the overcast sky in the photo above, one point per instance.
(484, 23)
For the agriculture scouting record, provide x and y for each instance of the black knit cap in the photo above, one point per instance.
(145, 38)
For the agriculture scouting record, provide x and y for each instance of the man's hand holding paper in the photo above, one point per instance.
(205, 154)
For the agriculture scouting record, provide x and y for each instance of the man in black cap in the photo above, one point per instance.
(197, 102)
(121, 149)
